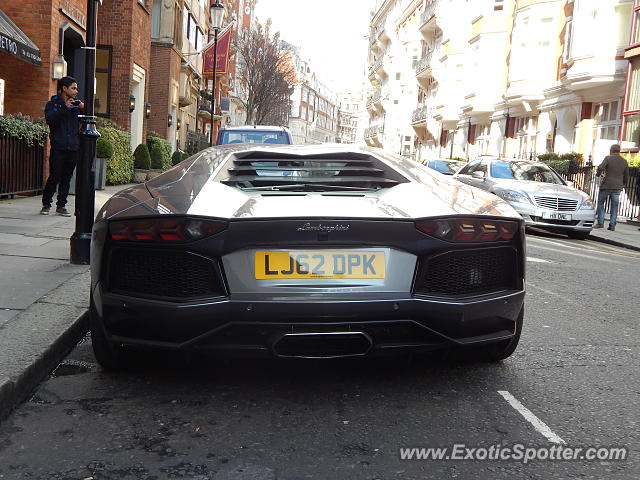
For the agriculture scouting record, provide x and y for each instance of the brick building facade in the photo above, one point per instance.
(50, 24)
(124, 48)
(58, 28)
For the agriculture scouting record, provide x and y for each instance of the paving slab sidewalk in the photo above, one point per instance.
(626, 234)
(43, 298)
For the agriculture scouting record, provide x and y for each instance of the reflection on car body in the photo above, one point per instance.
(444, 166)
(357, 252)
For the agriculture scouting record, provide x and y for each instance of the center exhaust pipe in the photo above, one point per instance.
(322, 345)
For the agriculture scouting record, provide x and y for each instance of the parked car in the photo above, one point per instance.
(254, 134)
(359, 253)
(536, 191)
(445, 166)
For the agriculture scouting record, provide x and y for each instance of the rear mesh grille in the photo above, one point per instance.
(166, 274)
(468, 272)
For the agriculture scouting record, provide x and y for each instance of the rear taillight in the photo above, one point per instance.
(468, 229)
(164, 230)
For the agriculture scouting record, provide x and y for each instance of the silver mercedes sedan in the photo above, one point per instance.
(536, 192)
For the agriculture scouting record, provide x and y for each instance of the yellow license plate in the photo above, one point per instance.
(319, 264)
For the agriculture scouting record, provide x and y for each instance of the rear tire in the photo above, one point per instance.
(108, 356)
(498, 351)
(578, 235)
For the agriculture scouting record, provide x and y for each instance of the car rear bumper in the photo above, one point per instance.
(303, 328)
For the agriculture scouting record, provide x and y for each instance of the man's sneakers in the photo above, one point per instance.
(598, 225)
(63, 212)
(612, 228)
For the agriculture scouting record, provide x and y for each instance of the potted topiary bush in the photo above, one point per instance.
(141, 163)
(177, 157)
(104, 151)
(157, 157)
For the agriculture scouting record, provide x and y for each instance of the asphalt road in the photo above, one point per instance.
(573, 382)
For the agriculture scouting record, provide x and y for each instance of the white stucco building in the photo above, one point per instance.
(499, 77)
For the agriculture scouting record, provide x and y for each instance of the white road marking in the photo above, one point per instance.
(591, 257)
(538, 424)
(538, 260)
(587, 246)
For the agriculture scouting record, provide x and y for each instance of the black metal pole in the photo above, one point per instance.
(213, 86)
(453, 136)
(85, 170)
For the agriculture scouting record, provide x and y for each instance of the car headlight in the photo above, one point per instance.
(512, 196)
(587, 204)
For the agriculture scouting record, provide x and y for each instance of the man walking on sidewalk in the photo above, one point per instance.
(616, 174)
(61, 114)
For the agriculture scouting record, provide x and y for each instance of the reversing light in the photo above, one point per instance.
(164, 230)
(468, 229)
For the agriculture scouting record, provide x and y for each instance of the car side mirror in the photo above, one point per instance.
(478, 175)
(570, 183)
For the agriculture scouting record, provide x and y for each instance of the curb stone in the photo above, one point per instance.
(35, 341)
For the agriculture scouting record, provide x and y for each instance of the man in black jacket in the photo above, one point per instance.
(61, 114)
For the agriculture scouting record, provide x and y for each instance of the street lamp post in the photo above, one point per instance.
(216, 12)
(85, 170)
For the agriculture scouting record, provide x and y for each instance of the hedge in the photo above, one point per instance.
(120, 165)
(163, 151)
(562, 163)
(23, 128)
(104, 149)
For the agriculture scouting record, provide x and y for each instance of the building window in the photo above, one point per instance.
(568, 37)
(608, 120)
(632, 113)
(102, 103)
(155, 19)
(398, 76)
(498, 5)
(636, 26)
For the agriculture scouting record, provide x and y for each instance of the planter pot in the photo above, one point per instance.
(100, 168)
(139, 175)
(153, 173)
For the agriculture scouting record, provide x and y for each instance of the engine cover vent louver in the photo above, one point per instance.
(346, 170)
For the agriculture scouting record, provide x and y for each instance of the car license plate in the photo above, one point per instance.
(298, 264)
(556, 215)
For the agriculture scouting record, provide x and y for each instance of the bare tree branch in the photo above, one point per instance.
(265, 79)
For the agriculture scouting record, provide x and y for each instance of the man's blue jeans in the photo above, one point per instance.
(615, 200)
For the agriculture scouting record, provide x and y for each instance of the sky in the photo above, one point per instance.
(332, 35)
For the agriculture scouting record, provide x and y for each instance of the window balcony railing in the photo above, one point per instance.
(373, 131)
(424, 63)
(420, 115)
(429, 10)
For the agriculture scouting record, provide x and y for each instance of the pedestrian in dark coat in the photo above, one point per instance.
(615, 170)
(61, 114)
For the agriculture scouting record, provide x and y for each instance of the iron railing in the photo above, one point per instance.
(196, 142)
(21, 167)
(420, 115)
(585, 179)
